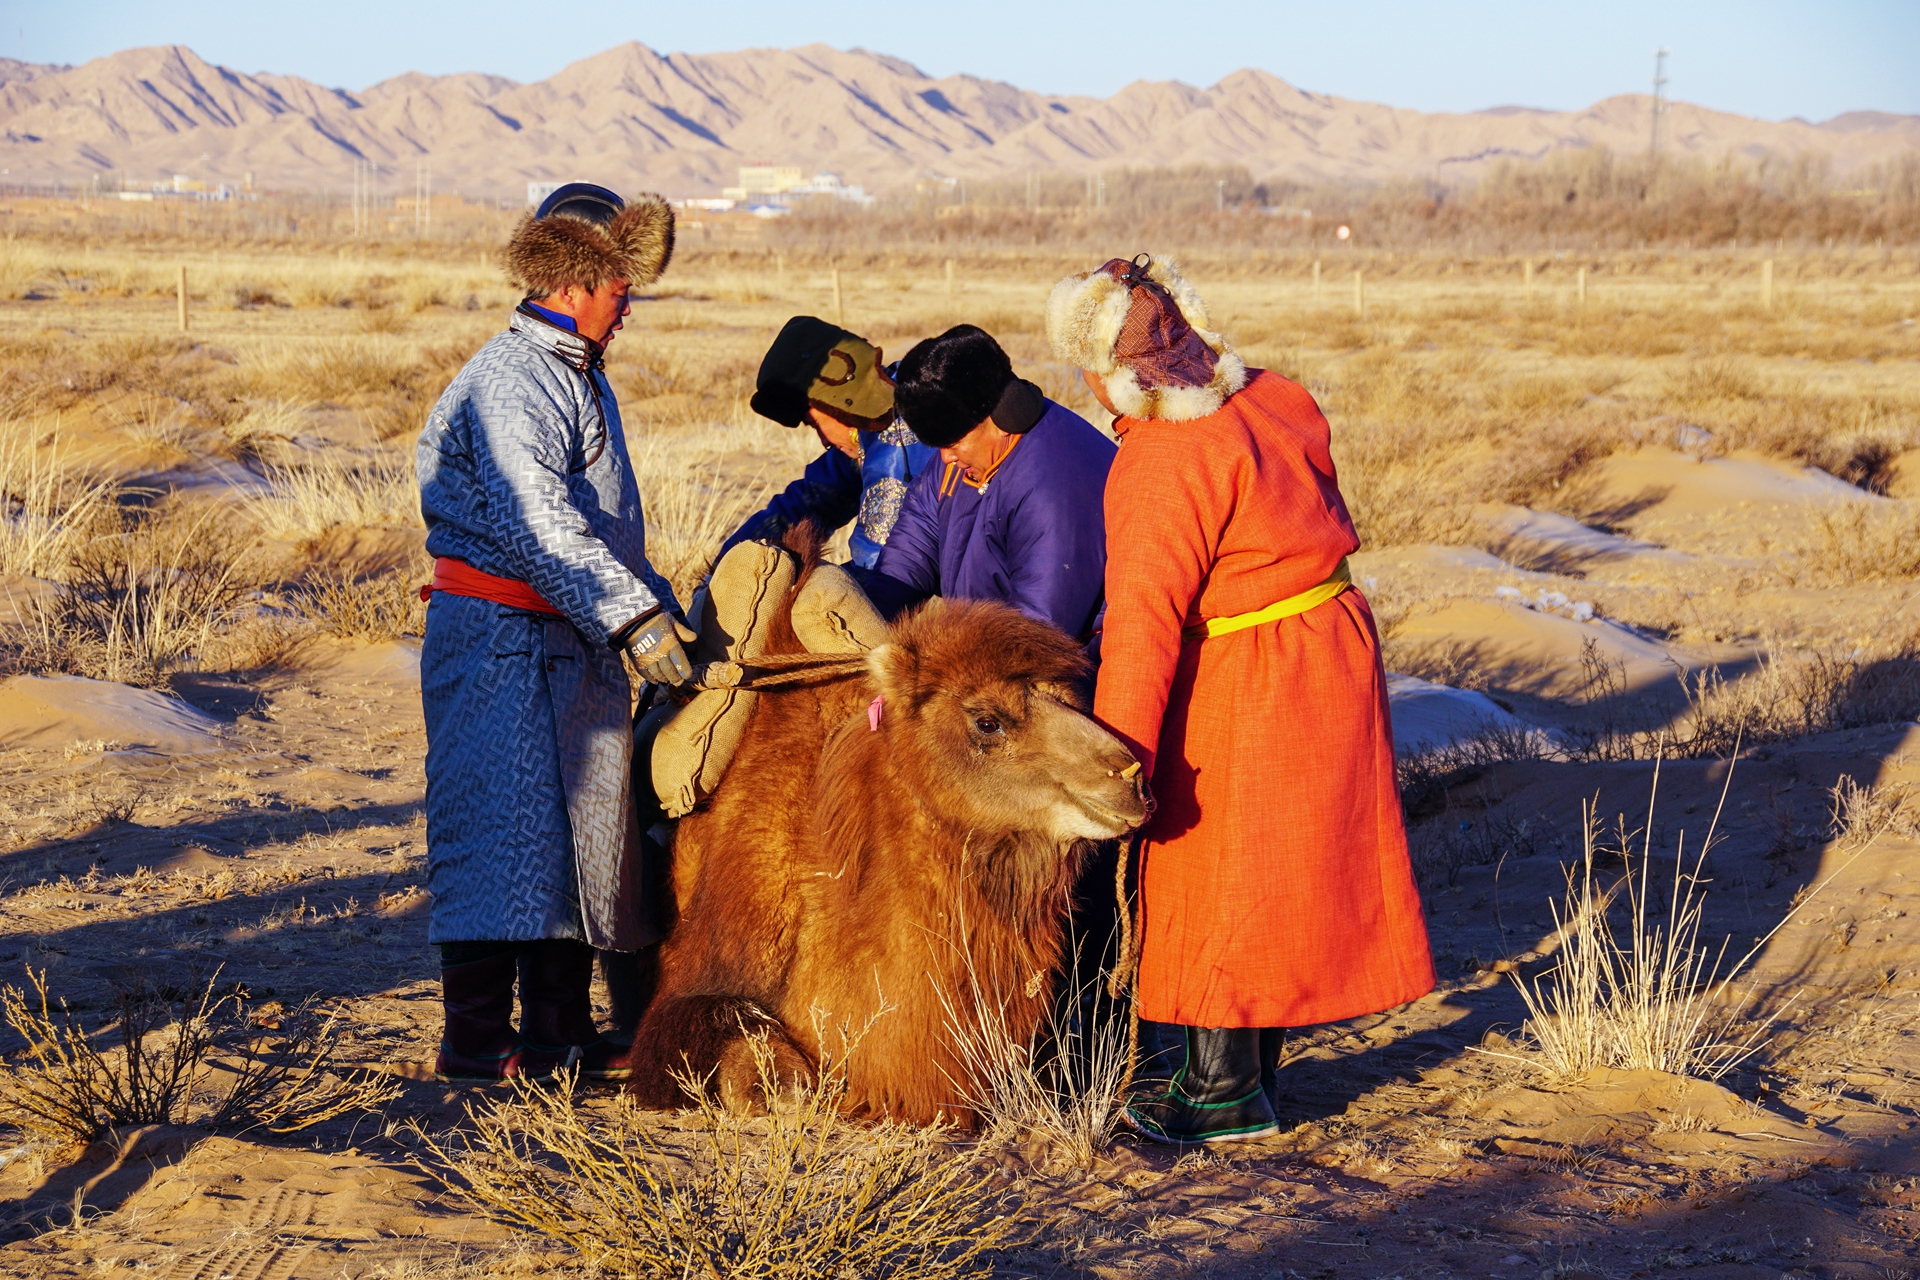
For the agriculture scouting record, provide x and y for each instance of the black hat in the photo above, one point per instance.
(582, 200)
(948, 385)
(813, 362)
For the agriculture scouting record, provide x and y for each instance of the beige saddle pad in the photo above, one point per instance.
(734, 613)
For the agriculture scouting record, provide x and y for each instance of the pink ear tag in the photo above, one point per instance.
(874, 709)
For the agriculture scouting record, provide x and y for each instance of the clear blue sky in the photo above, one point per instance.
(1760, 58)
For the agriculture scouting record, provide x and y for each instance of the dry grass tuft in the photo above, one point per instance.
(48, 511)
(169, 1066)
(307, 499)
(1860, 813)
(138, 603)
(800, 1192)
(1071, 1098)
(1658, 999)
(694, 491)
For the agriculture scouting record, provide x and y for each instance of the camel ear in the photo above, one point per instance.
(896, 669)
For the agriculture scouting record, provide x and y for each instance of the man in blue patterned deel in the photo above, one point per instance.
(823, 376)
(541, 584)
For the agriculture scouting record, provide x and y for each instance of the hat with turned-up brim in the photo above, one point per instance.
(816, 363)
(1139, 327)
(587, 235)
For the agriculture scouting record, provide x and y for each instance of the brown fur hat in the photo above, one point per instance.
(1087, 319)
(547, 254)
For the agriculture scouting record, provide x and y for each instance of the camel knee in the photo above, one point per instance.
(742, 1083)
(708, 1044)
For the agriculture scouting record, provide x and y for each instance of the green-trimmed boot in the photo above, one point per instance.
(1215, 1095)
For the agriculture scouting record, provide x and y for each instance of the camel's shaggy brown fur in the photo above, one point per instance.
(838, 869)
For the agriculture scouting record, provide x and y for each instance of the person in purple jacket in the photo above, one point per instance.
(1016, 513)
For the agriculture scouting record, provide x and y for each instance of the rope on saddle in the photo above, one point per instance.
(777, 671)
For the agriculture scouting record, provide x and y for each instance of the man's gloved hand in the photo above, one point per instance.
(657, 647)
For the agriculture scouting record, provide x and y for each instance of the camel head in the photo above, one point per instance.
(984, 711)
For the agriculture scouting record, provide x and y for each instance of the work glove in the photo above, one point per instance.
(657, 646)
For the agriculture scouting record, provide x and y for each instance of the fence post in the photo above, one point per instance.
(1766, 284)
(1526, 277)
(1359, 294)
(949, 277)
(1316, 282)
(181, 290)
(1580, 286)
(839, 312)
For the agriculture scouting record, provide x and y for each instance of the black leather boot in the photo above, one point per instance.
(631, 978)
(1215, 1095)
(479, 1045)
(556, 1007)
(1159, 1056)
(1273, 1042)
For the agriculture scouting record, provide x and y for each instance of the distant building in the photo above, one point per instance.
(538, 191)
(766, 185)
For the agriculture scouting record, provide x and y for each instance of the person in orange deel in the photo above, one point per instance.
(1243, 670)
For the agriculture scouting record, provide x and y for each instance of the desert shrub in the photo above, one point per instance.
(1712, 381)
(328, 371)
(1383, 385)
(801, 1192)
(171, 1058)
(1859, 543)
(381, 607)
(1395, 492)
(1787, 695)
(693, 500)
(262, 431)
(1425, 777)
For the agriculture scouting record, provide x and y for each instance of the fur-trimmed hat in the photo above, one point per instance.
(1143, 331)
(563, 248)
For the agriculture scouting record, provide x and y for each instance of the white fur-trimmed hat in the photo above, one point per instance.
(1143, 331)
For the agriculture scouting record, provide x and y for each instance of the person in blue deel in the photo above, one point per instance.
(820, 375)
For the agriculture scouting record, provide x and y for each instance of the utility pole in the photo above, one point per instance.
(1659, 99)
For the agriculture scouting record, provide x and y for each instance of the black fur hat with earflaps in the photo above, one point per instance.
(589, 242)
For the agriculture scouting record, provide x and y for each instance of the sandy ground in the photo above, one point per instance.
(268, 827)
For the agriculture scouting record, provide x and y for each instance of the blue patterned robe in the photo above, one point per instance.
(524, 473)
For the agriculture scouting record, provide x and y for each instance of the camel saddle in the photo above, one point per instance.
(686, 748)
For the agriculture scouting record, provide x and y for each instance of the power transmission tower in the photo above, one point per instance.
(1659, 99)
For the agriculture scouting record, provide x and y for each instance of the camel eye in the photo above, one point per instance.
(986, 725)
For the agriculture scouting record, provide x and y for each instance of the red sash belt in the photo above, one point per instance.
(458, 578)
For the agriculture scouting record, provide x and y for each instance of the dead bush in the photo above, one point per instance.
(1862, 543)
(1064, 1091)
(377, 608)
(1790, 694)
(799, 1192)
(167, 1057)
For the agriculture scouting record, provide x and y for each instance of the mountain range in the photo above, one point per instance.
(683, 124)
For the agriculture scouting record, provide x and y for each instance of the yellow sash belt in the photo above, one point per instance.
(1339, 580)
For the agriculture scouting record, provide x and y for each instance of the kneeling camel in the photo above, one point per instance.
(880, 840)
